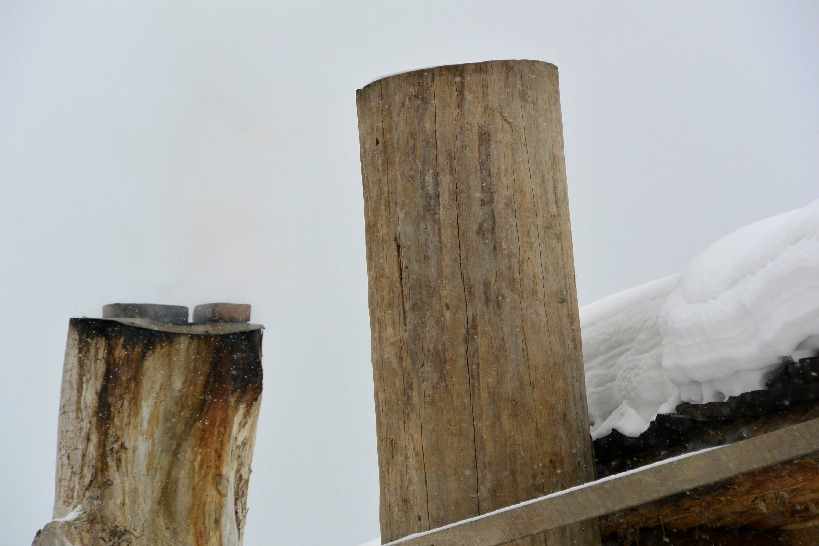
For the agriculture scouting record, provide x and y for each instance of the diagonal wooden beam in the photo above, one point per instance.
(626, 490)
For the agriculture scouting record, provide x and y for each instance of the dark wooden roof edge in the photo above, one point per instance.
(791, 396)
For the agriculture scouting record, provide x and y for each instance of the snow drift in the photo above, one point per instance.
(745, 305)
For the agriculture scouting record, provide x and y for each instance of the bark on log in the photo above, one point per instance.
(156, 432)
(476, 352)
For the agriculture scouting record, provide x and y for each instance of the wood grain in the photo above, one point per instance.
(156, 434)
(784, 494)
(476, 352)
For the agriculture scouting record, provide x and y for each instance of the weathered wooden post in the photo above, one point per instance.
(157, 426)
(476, 352)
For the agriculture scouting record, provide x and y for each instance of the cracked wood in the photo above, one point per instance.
(476, 352)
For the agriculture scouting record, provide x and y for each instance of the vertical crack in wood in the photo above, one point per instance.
(424, 383)
(514, 184)
(538, 235)
(459, 92)
(401, 280)
(496, 333)
(391, 206)
(424, 463)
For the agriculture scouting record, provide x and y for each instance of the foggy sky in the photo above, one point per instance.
(192, 152)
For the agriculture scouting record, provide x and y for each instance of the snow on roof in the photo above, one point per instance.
(746, 304)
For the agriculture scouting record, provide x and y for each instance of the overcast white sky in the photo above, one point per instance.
(186, 152)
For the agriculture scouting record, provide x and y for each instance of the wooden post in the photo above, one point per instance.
(156, 430)
(479, 385)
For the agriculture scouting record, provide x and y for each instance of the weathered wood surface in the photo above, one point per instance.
(476, 352)
(783, 494)
(791, 447)
(156, 433)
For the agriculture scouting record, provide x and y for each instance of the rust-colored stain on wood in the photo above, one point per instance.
(156, 434)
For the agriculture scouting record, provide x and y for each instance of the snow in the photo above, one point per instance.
(77, 512)
(746, 304)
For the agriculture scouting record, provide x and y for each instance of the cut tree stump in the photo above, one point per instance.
(476, 351)
(156, 433)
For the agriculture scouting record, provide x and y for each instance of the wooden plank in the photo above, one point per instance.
(626, 490)
(778, 495)
(476, 349)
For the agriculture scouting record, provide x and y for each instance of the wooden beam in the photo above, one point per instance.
(778, 495)
(626, 490)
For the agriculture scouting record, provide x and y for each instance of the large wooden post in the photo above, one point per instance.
(157, 426)
(479, 385)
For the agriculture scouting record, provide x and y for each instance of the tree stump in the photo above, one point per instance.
(476, 351)
(156, 433)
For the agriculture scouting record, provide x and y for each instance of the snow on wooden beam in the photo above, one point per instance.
(783, 495)
(627, 490)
